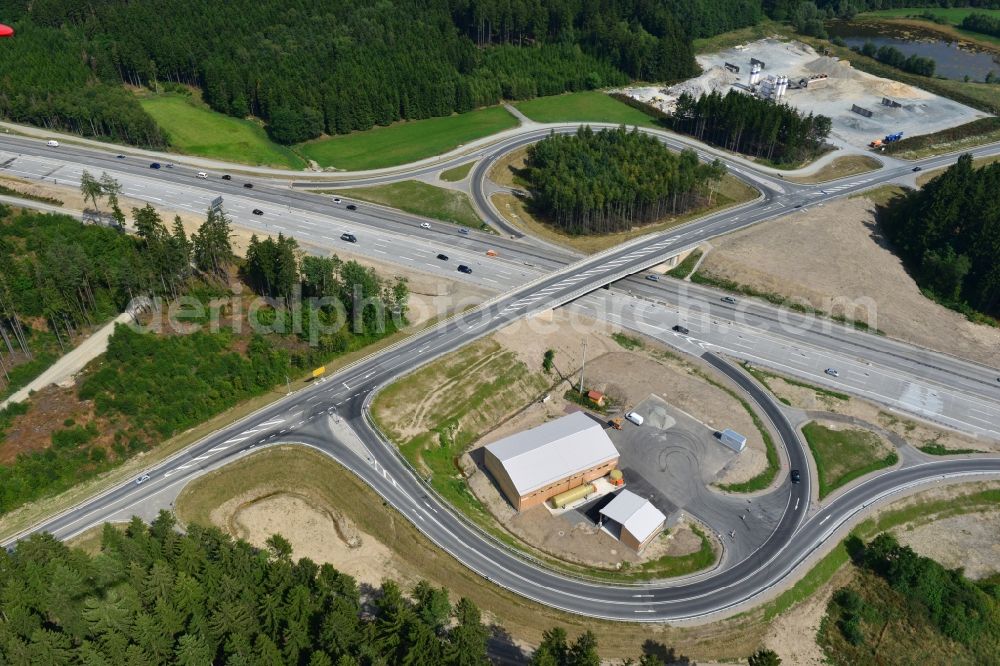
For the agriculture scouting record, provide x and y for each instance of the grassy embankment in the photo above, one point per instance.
(195, 129)
(763, 376)
(844, 455)
(457, 174)
(683, 269)
(841, 167)
(405, 142)
(9, 191)
(420, 198)
(328, 484)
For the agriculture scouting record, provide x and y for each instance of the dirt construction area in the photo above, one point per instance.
(832, 258)
(919, 112)
(970, 541)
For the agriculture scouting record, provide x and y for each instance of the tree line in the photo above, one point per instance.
(153, 595)
(308, 66)
(335, 294)
(982, 23)
(70, 276)
(948, 234)
(752, 126)
(63, 275)
(606, 181)
(893, 57)
(962, 610)
(846, 9)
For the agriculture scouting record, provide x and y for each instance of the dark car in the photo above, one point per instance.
(350, 238)
(463, 231)
(227, 177)
(443, 257)
(796, 477)
(916, 168)
(249, 186)
(729, 299)
(653, 278)
(681, 329)
(154, 165)
(351, 207)
(170, 166)
(120, 157)
(464, 269)
(258, 211)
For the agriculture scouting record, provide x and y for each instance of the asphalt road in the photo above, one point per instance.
(304, 417)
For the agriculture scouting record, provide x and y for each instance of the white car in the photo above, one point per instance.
(202, 174)
(635, 418)
(833, 372)
(142, 479)
(336, 200)
(425, 225)
(52, 144)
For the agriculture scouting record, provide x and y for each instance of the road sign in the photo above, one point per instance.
(318, 372)
(217, 204)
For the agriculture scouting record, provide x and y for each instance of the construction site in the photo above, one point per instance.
(866, 111)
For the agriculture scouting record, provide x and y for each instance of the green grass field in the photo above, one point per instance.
(458, 173)
(589, 106)
(195, 129)
(844, 455)
(406, 142)
(421, 199)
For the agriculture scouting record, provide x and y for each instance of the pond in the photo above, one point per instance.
(955, 60)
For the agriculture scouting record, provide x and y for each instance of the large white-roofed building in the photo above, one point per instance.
(536, 464)
(633, 520)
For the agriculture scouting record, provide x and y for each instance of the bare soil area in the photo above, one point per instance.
(322, 534)
(832, 258)
(793, 634)
(970, 541)
(52, 408)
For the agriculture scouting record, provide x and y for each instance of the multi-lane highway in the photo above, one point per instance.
(316, 416)
(933, 386)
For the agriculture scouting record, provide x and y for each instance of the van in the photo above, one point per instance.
(634, 418)
(52, 144)
(202, 174)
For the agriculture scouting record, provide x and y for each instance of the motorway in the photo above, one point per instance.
(315, 416)
(933, 386)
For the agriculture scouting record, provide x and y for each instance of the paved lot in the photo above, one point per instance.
(672, 459)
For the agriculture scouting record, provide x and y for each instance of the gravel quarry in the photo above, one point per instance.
(918, 111)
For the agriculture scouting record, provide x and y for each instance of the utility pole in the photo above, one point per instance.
(583, 365)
